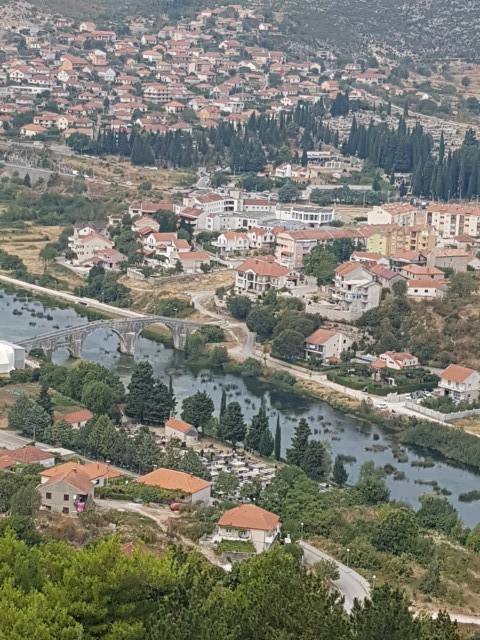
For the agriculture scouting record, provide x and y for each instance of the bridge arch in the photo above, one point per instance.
(127, 329)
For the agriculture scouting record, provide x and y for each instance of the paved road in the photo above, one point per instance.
(353, 586)
(69, 297)
(350, 584)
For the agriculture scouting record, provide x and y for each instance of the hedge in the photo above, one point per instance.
(375, 389)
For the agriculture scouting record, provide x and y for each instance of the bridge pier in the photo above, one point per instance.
(180, 334)
(74, 345)
(127, 342)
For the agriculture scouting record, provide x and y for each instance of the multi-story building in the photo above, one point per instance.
(293, 246)
(460, 383)
(257, 276)
(308, 216)
(390, 238)
(405, 215)
(326, 345)
(450, 220)
(355, 289)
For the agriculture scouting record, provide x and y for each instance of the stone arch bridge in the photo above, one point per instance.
(127, 330)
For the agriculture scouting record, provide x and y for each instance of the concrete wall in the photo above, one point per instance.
(202, 496)
(438, 415)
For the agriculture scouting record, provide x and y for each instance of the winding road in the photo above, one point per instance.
(353, 586)
(350, 584)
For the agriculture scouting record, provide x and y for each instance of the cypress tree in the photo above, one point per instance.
(278, 439)
(223, 403)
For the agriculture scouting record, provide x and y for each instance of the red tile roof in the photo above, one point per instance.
(320, 336)
(263, 268)
(29, 454)
(249, 516)
(174, 481)
(456, 373)
(179, 425)
(75, 477)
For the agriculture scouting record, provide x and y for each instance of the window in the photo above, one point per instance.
(48, 496)
(66, 497)
(65, 510)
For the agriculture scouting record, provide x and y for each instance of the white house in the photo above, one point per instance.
(184, 431)
(355, 289)
(426, 288)
(395, 360)
(460, 383)
(76, 419)
(232, 241)
(249, 523)
(258, 276)
(326, 345)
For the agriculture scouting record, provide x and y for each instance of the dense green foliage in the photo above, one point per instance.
(454, 444)
(52, 592)
(105, 287)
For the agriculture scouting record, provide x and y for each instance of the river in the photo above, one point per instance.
(344, 434)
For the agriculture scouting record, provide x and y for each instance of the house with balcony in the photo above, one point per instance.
(460, 383)
(326, 345)
(355, 288)
(249, 523)
(232, 242)
(257, 276)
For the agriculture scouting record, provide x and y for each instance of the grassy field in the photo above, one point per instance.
(470, 425)
(27, 244)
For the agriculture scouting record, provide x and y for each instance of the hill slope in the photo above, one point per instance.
(435, 28)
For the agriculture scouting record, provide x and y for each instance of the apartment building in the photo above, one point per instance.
(450, 220)
(355, 289)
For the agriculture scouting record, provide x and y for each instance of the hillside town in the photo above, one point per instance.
(239, 308)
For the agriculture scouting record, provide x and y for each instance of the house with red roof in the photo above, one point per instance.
(355, 288)
(326, 345)
(248, 522)
(182, 486)
(460, 383)
(66, 491)
(257, 276)
(76, 419)
(182, 430)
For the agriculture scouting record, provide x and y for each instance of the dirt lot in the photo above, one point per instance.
(28, 243)
(470, 425)
(145, 296)
(10, 393)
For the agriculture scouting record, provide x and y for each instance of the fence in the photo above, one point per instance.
(136, 274)
(438, 415)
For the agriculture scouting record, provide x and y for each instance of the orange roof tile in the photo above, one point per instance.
(75, 477)
(29, 454)
(249, 516)
(456, 373)
(179, 425)
(320, 336)
(174, 481)
(263, 268)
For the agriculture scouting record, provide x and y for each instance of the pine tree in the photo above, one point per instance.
(296, 452)
(278, 439)
(257, 428)
(159, 405)
(44, 399)
(316, 460)
(232, 426)
(266, 444)
(304, 161)
(339, 473)
(140, 390)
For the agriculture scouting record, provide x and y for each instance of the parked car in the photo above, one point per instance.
(175, 506)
